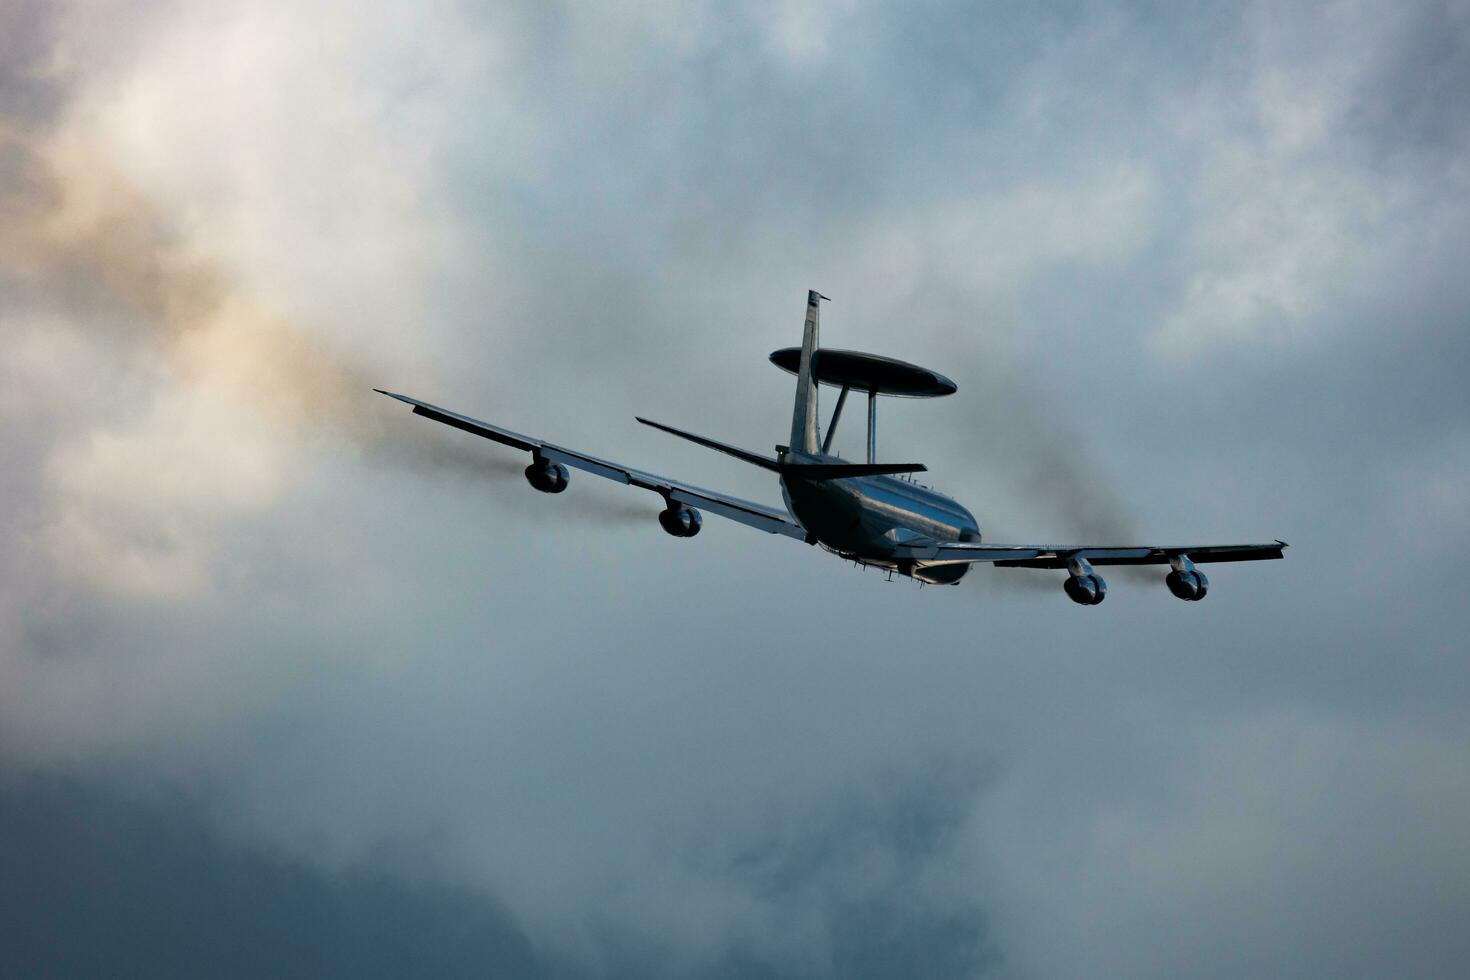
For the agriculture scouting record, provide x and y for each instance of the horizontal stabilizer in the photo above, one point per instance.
(838, 471)
(805, 471)
(765, 462)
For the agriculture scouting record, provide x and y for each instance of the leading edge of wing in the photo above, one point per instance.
(747, 512)
(1056, 556)
(483, 429)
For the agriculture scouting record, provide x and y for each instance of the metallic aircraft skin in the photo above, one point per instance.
(864, 518)
(867, 518)
(859, 511)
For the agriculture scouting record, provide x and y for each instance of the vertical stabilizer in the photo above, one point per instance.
(804, 416)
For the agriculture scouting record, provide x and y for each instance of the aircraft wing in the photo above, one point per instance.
(746, 512)
(1056, 556)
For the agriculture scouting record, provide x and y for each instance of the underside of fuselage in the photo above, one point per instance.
(925, 572)
(866, 520)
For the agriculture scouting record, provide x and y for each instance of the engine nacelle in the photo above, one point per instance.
(1188, 584)
(680, 521)
(1186, 581)
(546, 476)
(1086, 590)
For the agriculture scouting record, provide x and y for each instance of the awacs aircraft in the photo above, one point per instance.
(859, 511)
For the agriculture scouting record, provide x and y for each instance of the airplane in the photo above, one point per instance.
(864, 512)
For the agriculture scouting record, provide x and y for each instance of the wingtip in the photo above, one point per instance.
(395, 396)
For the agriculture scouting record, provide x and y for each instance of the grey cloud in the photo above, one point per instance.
(103, 880)
(96, 883)
(25, 90)
(719, 755)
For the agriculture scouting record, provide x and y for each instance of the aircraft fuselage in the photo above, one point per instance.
(867, 518)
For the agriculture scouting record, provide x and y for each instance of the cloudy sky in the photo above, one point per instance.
(293, 683)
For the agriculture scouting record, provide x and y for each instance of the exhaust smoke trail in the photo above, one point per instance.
(236, 398)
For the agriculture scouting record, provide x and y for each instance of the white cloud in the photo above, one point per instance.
(802, 30)
(1292, 216)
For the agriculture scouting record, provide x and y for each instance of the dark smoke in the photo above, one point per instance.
(1038, 462)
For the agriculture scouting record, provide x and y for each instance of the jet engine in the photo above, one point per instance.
(546, 476)
(1086, 590)
(1084, 586)
(680, 521)
(1188, 584)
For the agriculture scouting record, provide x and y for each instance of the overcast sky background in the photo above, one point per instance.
(293, 683)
